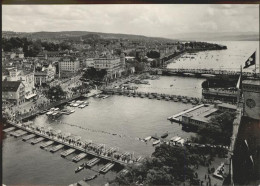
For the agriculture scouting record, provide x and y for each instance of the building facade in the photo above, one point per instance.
(251, 94)
(27, 77)
(113, 66)
(13, 92)
(40, 78)
(69, 64)
(51, 71)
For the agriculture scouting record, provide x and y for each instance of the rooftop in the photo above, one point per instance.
(202, 113)
(10, 86)
(252, 82)
(226, 105)
(42, 73)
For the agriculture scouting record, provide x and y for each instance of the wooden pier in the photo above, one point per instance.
(37, 140)
(30, 136)
(14, 132)
(92, 162)
(46, 144)
(79, 157)
(56, 148)
(18, 133)
(9, 129)
(67, 152)
(43, 136)
(106, 168)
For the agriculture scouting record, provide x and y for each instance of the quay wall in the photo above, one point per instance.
(54, 104)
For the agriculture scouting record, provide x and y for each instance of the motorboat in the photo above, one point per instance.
(75, 105)
(156, 142)
(79, 169)
(175, 138)
(148, 138)
(164, 135)
(49, 113)
(82, 106)
(90, 178)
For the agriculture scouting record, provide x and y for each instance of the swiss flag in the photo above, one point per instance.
(250, 61)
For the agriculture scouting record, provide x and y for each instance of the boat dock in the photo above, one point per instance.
(15, 132)
(92, 162)
(30, 136)
(18, 133)
(79, 157)
(56, 148)
(67, 152)
(9, 129)
(46, 144)
(106, 168)
(177, 118)
(85, 148)
(37, 140)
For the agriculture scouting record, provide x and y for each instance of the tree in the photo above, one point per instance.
(153, 54)
(168, 165)
(93, 74)
(55, 93)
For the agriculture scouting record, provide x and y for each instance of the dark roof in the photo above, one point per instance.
(42, 73)
(12, 86)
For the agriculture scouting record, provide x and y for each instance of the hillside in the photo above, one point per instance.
(218, 36)
(78, 34)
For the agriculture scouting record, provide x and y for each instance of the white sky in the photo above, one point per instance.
(150, 20)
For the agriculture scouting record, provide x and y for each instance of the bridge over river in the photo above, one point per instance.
(200, 72)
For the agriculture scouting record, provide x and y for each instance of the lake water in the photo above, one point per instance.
(174, 85)
(117, 121)
(231, 59)
(127, 118)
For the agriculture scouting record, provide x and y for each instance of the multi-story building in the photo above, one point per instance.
(13, 92)
(69, 64)
(40, 78)
(27, 77)
(113, 65)
(201, 116)
(51, 71)
(89, 62)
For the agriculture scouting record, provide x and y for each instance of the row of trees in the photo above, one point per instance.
(169, 165)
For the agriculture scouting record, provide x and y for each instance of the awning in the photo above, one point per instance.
(30, 96)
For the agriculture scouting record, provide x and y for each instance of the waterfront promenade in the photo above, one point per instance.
(55, 104)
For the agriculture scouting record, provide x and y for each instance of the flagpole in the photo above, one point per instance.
(255, 61)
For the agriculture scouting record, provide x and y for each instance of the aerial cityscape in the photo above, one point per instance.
(130, 95)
